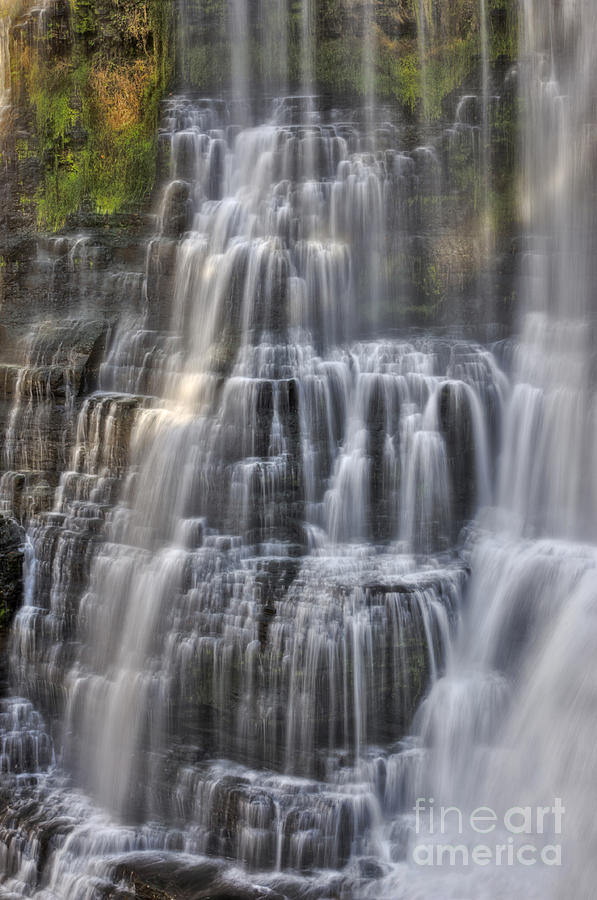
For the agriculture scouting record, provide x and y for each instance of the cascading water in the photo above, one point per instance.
(423, 13)
(9, 11)
(254, 598)
(239, 41)
(244, 618)
(509, 724)
(486, 247)
(307, 48)
(4, 66)
(369, 59)
(274, 23)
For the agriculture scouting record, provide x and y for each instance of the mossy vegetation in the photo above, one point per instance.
(94, 79)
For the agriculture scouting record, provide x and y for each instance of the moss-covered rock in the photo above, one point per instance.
(91, 74)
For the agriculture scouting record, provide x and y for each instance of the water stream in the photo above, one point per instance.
(302, 568)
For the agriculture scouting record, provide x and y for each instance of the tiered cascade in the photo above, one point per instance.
(249, 556)
(244, 646)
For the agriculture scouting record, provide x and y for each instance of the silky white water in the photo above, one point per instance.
(303, 569)
(508, 726)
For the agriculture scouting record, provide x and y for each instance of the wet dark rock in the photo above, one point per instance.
(165, 876)
(217, 163)
(161, 261)
(12, 538)
(382, 524)
(176, 211)
(370, 868)
(59, 364)
(456, 424)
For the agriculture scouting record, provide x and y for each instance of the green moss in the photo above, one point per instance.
(429, 286)
(503, 29)
(206, 66)
(125, 172)
(448, 70)
(100, 155)
(54, 114)
(409, 80)
(60, 195)
(84, 18)
(338, 67)
(399, 77)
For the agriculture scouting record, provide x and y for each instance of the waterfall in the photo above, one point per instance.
(183, 48)
(554, 358)
(9, 13)
(423, 12)
(4, 67)
(5, 80)
(554, 384)
(486, 209)
(238, 12)
(369, 61)
(307, 46)
(263, 498)
(274, 22)
(508, 725)
(291, 569)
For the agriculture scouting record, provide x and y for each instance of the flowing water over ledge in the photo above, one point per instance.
(246, 584)
(258, 624)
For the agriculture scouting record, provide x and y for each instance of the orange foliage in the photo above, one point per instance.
(119, 91)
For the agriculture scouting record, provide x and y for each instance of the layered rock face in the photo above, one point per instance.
(243, 470)
(250, 541)
(82, 84)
